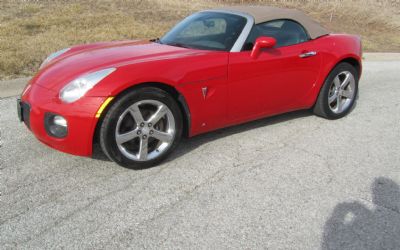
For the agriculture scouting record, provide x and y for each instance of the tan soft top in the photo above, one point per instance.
(263, 14)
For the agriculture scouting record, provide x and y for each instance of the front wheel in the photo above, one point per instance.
(339, 92)
(141, 128)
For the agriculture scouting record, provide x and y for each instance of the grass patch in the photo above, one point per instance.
(30, 30)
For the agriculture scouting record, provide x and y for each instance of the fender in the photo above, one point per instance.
(335, 49)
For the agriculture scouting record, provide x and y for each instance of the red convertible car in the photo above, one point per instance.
(214, 69)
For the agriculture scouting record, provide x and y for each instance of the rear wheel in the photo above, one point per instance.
(141, 128)
(339, 92)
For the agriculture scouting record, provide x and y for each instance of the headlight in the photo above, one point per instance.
(52, 56)
(78, 87)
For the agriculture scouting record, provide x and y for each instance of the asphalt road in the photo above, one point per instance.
(294, 181)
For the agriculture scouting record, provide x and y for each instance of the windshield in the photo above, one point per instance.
(207, 31)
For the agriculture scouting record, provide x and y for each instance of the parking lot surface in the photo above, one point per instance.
(295, 181)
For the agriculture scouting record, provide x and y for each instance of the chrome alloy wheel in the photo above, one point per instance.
(341, 92)
(145, 130)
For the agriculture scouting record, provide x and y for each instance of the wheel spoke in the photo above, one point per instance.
(134, 110)
(160, 113)
(339, 104)
(143, 149)
(346, 80)
(162, 136)
(332, 98)
(336, 81)
(122, 138)
(347, 93)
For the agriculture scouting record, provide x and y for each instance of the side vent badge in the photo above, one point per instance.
(204, 90)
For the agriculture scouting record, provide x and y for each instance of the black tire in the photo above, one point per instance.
(322, 106)
(108, 127)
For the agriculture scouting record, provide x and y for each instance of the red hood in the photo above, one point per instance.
(81, 60)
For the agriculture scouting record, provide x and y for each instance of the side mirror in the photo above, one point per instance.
(262, 42)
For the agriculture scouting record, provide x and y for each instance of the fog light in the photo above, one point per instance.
(56, 125)
(60, 121)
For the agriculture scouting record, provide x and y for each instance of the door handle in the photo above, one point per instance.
(308, 54)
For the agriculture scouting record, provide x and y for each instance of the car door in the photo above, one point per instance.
(278, 79)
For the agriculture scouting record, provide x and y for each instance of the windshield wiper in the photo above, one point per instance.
(180, 45)
(157, 40)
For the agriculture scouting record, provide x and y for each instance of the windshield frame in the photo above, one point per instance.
(238, 44)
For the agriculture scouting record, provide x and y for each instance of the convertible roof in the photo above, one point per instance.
(263, 14)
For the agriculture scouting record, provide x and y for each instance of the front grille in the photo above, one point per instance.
(25, 112)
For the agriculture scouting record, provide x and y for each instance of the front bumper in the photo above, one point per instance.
(81, 117)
